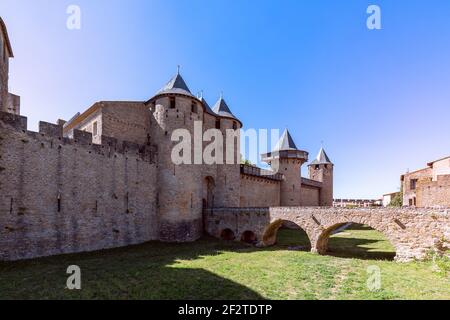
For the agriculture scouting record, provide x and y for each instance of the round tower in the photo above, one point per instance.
(5, 53)
(287, 160)
(179, 198)
(321, 169)
(228, 173)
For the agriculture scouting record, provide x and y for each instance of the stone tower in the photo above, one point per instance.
(287, 160)
(8, 102)
(179, 198)
(321, 169)
(228, 173)
(5, 54)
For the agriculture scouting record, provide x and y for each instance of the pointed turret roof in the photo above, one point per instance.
(176, 85)
(221, 108)
(4, 31)
(285, 149)
(207, 107)
(286, 142)
(322, 158)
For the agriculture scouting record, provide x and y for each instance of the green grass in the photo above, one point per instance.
(211, 269)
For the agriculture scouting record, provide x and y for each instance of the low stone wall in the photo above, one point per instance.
(412, 232)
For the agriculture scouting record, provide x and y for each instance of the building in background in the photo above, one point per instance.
(8, 102)
(387, 198)
(356, 203)
(428, 187)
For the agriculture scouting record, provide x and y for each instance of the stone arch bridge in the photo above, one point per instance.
(412, 232)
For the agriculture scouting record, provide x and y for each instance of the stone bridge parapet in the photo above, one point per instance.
(412, 232)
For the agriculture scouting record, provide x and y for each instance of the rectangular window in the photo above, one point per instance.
(413, 184)
(172, 103)
(217, 123)
(95, 129)
(194, 107)
(234, 125)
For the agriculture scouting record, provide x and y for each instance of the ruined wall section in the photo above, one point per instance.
(61, 195)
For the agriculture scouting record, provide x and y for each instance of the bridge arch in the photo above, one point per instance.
(249, 237)
(322, 238)
(269, 237)
(227, 234)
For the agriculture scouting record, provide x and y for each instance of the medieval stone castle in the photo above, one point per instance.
(106, 178)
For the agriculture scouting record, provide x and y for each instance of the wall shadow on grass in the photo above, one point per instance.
(153, 270)
(147, 271)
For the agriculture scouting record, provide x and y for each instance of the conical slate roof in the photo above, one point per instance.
(286, 142)
(176, 85)
(322, 158)
(221, 108)
(207, 107)
(5, 36)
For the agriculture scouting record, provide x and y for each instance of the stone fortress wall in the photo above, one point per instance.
(61, 195)
(106, 178)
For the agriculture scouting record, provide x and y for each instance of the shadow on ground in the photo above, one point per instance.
(147, 271)
(153, 270)
(361, 242)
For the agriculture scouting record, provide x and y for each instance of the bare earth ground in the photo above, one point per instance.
(211, 269)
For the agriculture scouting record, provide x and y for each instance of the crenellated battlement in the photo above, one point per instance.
(49, 133)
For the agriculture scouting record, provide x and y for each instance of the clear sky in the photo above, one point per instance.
(379, 99)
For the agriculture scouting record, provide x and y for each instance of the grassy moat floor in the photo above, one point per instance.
(212, 269)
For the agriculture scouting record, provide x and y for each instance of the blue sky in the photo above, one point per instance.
(379, 99)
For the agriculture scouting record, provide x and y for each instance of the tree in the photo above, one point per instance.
(397, 201)
(246, 162)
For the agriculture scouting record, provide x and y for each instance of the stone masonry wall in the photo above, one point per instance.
(310, 196)
(59, 195)
(408, 193)
(434, 193)
(259, 192)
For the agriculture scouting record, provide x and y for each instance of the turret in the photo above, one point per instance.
(179, 198)
(321, 169)
(287, 160)
(8, 102)
(228, 174)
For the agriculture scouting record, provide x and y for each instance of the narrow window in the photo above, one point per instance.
(95, 129)
(59, 202)
(413, 184)
(317, 167)
(217, 123)
(194, 107)
(172, 103)
(234, 125)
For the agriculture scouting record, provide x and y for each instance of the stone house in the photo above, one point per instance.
(428, 187)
